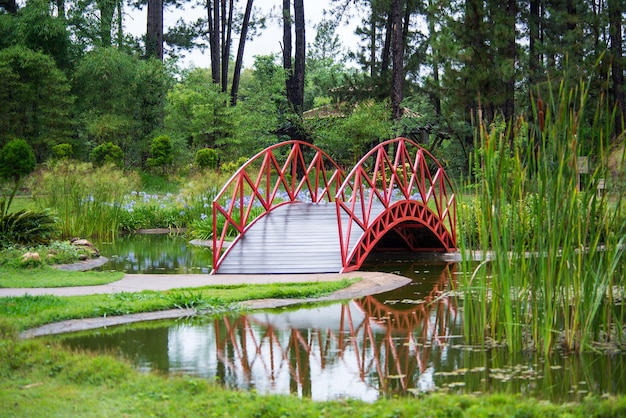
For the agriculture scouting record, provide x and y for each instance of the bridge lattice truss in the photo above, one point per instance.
(397, 188)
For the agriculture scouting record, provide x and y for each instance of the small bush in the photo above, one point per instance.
(161, 152)
(232, 166)
(26, 228)
(107, 153)
(207, 158)
(17, 159)
(62, 151)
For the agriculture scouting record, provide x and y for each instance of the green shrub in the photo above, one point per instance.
(161, 153)
(107, 153)
(62, 151)
(232, 166)
(17, 159)
(207, 158)
(26, 228)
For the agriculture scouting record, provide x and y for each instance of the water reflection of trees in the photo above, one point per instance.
(386, 347)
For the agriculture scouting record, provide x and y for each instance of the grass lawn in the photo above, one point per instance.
(46, 276)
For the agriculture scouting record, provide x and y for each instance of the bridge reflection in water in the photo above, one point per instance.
(365, 348)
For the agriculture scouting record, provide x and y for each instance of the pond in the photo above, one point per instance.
(155, 253)
(402, 342)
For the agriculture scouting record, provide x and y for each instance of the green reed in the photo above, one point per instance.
(87, 201)
(555, 277)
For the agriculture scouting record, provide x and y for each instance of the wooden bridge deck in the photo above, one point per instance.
(293, 238)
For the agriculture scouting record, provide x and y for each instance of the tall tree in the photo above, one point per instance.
(300, 56)
(617, 56)
(397, 50)
(234, 91)
(154, 31)
(296, 72)
(213, 20)
(287, 45)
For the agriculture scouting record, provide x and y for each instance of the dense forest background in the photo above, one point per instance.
(432, 70)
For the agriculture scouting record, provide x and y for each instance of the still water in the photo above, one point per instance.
(402, 342)
(155, 253)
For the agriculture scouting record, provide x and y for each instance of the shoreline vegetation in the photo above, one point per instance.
(525, 197)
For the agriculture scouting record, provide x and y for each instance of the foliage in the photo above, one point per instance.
(158, 183)
(86, 200)
(207, 158)
(107, 153)
(229, 167)
(62, 151)
(16, 161)
(42, 32)
(120, 100)
(180, 210)
(162, 153)
(25, 227)
(12, 274)
(39, 97)
(558, 247)
(324, 66)
(197, 113)
(349, 137)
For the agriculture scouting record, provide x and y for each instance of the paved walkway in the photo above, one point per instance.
(158, 282)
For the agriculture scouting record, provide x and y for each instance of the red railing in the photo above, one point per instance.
(398, 181)
(283, 173)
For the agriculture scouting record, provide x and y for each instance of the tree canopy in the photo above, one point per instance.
(71, 73)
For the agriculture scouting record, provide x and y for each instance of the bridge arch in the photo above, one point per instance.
(284, 173)
(400, 189)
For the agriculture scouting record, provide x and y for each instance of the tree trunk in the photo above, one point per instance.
(510, 57)
(214, 38)
(435, 58)
(154, 31)
(533, 55)
(397, 51)
(373, 44)
(234, 91)
(287, 43)
(107, 10)
(60, 8)
(386, 52)
(617, 69)
(227, 28)
(9, 5)
(300, 57)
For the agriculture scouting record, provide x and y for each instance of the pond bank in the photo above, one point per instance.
(370, 283)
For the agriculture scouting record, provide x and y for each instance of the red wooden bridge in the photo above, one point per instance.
(291, 209)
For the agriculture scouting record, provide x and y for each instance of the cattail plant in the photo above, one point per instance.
(553, 274)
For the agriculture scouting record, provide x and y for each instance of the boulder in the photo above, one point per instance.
(31, 256)
(87, 246)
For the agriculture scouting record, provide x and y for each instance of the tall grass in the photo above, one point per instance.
(87, 201)
(555, 278)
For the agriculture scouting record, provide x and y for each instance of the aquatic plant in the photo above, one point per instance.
(553, 275)
(86, 201)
